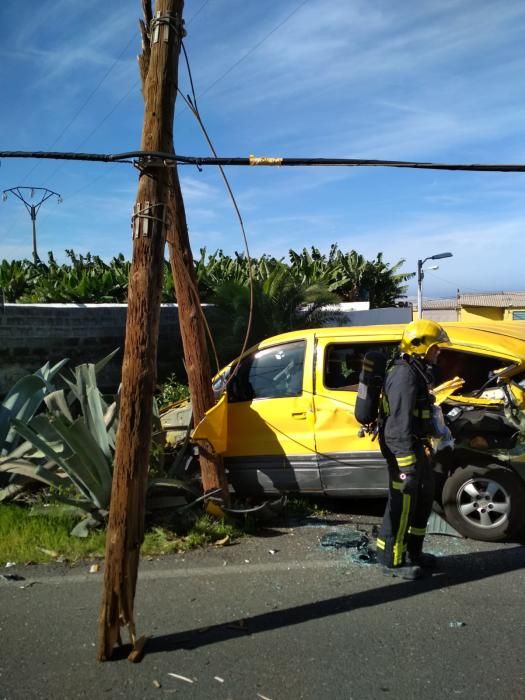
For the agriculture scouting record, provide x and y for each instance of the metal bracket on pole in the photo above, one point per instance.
(141, 217)
(166, 22)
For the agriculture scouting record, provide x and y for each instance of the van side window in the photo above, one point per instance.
(272, 373)
(342, 363)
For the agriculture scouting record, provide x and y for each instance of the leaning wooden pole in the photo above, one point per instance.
(158, 62)
(193, 334)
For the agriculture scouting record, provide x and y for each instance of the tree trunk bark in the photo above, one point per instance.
(125, 534)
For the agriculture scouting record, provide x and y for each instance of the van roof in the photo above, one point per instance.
(499, 338)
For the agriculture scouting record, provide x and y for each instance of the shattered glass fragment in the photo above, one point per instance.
(343, 539)
(354, 540)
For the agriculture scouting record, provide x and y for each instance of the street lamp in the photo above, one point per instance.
(43, 194)
(420, 276)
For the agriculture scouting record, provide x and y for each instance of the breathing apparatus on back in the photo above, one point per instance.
(418, 337)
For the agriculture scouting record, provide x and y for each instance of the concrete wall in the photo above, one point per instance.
(32, 334)
(437, 315)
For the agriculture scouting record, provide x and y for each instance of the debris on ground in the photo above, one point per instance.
(8, 578)
(29, 584)
(437, 525)
(457, 623)
(181, 678)
(355, 540)
(137, 652)
(224, 542)
(342, 538)
(94, 568)
(157, 684)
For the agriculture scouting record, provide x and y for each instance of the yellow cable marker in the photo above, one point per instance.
(264, 160)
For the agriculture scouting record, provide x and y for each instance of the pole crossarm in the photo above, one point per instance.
(46, 194)
(151, 158)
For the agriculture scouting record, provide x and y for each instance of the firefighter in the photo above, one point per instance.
(405, 426)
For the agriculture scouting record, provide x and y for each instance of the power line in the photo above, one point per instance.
(254, 48)
(145, 159)
(101, 122)
(86, 101)
(97, 87)
(94, 91)
(454, 284)
(197, 12)
(117, 104)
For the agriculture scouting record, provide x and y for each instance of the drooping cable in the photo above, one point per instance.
(191, 102)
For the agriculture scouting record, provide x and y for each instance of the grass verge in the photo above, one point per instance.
(42, 535)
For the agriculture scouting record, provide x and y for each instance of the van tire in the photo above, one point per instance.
(486, 504)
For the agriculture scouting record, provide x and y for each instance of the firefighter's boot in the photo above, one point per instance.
(422, 559)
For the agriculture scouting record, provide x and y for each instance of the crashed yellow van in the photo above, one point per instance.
(285, 423)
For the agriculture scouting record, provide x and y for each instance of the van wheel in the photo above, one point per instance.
(485, 504)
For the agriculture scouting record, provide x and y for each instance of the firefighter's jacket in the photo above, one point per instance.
(406, 409)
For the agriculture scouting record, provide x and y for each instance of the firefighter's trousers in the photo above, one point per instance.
(406, 515)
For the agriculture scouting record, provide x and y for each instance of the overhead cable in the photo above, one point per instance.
(151, 158)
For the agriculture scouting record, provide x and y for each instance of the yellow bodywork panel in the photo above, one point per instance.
(336, 429)
(214, 426)
(519, 394)
(321, 419)
(279, 426)
(275, 426)
(480, 402)
(445, 390)
(264, 426)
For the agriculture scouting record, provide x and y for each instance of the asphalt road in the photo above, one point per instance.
(277, 616)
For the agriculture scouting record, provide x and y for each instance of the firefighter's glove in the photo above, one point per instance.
(409, 481)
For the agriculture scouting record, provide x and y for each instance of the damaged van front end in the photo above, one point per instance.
(285, 421)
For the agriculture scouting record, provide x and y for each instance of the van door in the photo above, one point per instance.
(271, 445)
(348, 464)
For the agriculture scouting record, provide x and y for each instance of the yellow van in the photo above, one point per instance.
(285, 421)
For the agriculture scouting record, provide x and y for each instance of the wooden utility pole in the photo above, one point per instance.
(158, 62)
(193, 333)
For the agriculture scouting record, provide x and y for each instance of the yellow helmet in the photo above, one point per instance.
(420, 335)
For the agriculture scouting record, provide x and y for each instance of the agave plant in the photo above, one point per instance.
(70, 444)
(21, 403)
(71, 447)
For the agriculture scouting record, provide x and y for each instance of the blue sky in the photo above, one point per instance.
(440, 80)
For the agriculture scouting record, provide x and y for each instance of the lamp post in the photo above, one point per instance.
(44, 194)
(420, 275)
